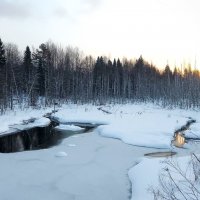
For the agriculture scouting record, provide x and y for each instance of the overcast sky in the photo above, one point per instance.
(160, 30)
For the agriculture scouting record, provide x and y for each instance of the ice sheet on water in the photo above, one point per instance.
(69, 127)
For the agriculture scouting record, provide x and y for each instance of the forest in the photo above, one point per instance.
(53, 74)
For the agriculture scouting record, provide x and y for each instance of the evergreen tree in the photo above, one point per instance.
(138, 75)
(41, 58)
(30, 77)
(2, 55)
(27, 64)
(2, 76)
(119, 76)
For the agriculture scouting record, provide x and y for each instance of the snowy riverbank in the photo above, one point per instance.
(141, 125)
(90, 166)
(15, 119)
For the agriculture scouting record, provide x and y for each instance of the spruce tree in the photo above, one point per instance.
(2, 74)
(27, 63)
(2, 54)
(30, 77)
(41, 78)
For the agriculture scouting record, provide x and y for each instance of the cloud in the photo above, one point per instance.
(90, 5)
(13, 9)
(93, 3)
(60, 12)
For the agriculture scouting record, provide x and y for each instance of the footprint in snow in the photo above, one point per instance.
(61, 154)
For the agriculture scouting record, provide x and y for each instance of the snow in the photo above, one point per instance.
(61, 154)
(143, 180)
(15, 118)
(194, 131)
(71, 145)
(144, 125)
(97, 167)
(40, 122)
(69, 127)
(133, 124)
(81, 114)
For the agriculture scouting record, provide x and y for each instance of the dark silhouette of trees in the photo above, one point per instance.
(52, 74)
(30, 78)
(27, 64)
(2, 76)
(13, 75)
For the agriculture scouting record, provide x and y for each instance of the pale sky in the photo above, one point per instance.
(163, 31)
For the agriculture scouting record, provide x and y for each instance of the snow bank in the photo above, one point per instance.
(151, 129)
(69, 127)
(12, 118)
(41, 122)
(81, 115)
(142, 125)
(145, 175)
(194, 131)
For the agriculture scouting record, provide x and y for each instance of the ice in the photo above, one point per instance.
(69, 127)
(96, 169)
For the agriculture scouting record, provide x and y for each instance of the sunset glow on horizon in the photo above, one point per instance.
(162, 31)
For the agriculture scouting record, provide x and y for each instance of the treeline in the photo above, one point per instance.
(52, 74)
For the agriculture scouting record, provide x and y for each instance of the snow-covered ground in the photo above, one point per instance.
(90, 166)
(194, 130)
(14, 119)
(141, 125)
(69, 127)
(143, 180)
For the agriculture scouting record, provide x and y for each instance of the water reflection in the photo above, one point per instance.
(179, 140)
(34, 139)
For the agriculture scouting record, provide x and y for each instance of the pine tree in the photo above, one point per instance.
(2, 55)
(2, 75)
(27, 64)
(30, 77)
(41, 58)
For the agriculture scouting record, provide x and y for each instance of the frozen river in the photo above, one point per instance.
(85, 166)
(82, 167)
